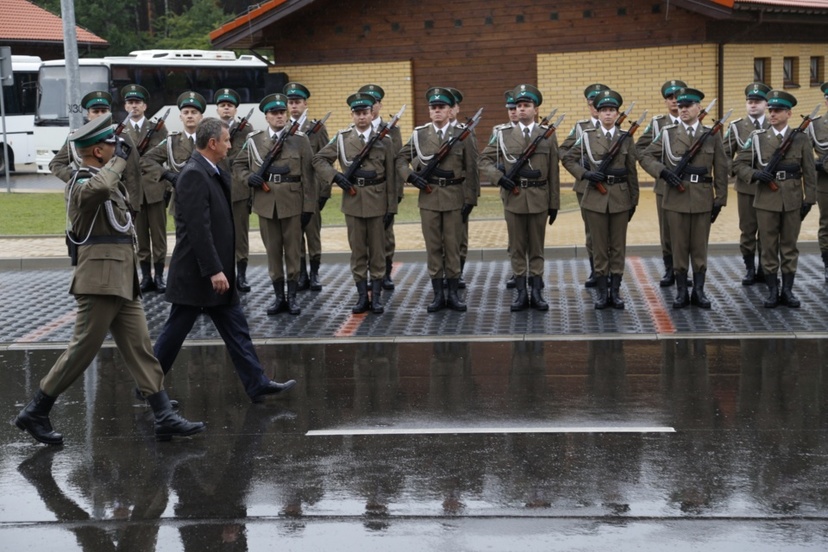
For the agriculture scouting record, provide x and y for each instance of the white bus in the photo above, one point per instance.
(20, 102)
(164, 73)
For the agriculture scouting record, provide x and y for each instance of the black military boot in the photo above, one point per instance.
(698, 297)
(591, 282)
(146, 278)
(293, 306)
(669, 277)
(521, 301)
(168, 422)
(772, 300)
(387, 282)
(34, 418)
(241, 277)
(315, 285)
(160, 284)
(615, 292)
(787, 297)
(453, 300)
(304, 282)
(511, 282)
(760, 274)
(536, 300)
(461, 283)
(376, 297)
(439, 302)
(362, 298)
(682, 297)
(750, 270)
(602, 299)
(825, 263)
(279, 305)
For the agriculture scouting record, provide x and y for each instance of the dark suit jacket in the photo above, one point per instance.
(204, 237)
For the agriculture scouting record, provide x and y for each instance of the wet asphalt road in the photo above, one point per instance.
(667, 444)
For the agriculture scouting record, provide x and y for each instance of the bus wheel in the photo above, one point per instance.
(7, 154)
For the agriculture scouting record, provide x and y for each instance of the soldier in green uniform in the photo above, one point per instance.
(227, 104)
(538, 198)
(668, 92)
(580, 185)
(690, 212)
(105, 286)
(464, 241)
(819, 138)
(165, 161)
(151, 221)
(737, 134)
(449, 192)
(779, 212)
(607, 214)
(511, 111)
(396, 139)
(374, 202)
(285, 198)
(311, 238)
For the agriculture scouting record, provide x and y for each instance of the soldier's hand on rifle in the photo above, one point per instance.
(764, 177)
(466, 211)
(417, 181)
(804, 210)
(506, 184)
(342, 182)
(122, 149)
(717, 208)
(255, 181)
(322, 201)
(387, 220)
(306, 217)
(171, 177)
(595, 176)
(553, 214)
(670, 177)
(632, 212)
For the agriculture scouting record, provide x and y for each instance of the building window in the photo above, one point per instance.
(790, 72)
(817, 70)
(761, 70)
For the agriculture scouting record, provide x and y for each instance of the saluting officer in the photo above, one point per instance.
(580, 185)
(538, 198)
(779, 212)
(297, 95)
(737, 135)
(449, 192)
(374, 199)
(288, 200)
(689, 213)
(819, 138)
(165, 161)
(151, 221)
(668, 92)
(378, 93)
(607, 214)
(227, 104)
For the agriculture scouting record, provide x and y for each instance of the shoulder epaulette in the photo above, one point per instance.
(299, 133)
(659, 117)
(760, 131)
(584, 121)
(255, 132)
(734, 121)
(460, 125)
(673, 125)
(503, 126)
(344, 130)
(590, 129)
(174, 133)
(421, 127)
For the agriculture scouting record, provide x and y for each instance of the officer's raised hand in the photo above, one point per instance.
(122, 149)
(255, 181)
(670, 177)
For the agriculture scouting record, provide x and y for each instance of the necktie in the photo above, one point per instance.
(756, 124)
(440, 135)
(362, 139)
(137, 128)
(609, 136)
(192, 141)
(690, 132)
(779, 137)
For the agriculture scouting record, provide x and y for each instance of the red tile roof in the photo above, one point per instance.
(798, 4)
(21, 21)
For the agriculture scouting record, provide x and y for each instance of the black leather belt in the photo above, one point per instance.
(788, 175)
(446, 181)
(278, 178)
(116, 238)
(615, 179)
(697, 178)
(524, 183)
(360, 182)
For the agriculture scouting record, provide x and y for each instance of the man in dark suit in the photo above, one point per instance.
(201, 277)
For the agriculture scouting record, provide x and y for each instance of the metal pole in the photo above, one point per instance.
(70, 53)
(4, 153)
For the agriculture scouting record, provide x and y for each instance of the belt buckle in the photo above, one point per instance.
(441, 182)
(360, 182)
(276, 178)
(694, 178)
(524, 182)
(610, 179)
(781, 175)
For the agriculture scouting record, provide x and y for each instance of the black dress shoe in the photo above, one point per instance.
(273, 388)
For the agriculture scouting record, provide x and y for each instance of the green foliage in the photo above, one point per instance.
(191, 29)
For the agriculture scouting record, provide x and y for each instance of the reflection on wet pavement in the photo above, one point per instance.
(746, 464)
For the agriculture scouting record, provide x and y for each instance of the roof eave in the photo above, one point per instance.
(246, 30)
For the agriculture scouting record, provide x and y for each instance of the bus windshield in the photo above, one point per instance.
(53, 108)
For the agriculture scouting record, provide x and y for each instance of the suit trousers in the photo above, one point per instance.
(442, 231)
(587, 233)
(748, 225)
(527, 235)
(366, 236)
(390, 241)
(779, 232)
(609, 241)
(282, 240)
(231, 324)
(663, 228)
(241, 222)
(312, 238)
(151, 227)
(97, 315)
(689, 234)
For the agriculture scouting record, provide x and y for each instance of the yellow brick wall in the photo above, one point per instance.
(330, 86)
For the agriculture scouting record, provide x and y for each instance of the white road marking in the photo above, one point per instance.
(485, 430)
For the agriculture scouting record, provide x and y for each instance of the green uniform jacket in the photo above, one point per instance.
(103, 268)
(593, 146)
(646, 138)
(239, 190)
(171, 154)
(461, 162)
(285, 199)
(152, 188)
(734, 139)
(504, 147)
(819, 138)
(371, 200)
(789, 197)
(697, 197)
(573, 136)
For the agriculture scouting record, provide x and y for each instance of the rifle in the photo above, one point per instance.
(385, 128)
(277, 148)
(142, 147)
(444, 150)
(120, 128)
(241, 126)
(317, 125)
(623, 117)
(696, 147)
(545, 120)
(515, 169)
(616, 147)
(783, 148)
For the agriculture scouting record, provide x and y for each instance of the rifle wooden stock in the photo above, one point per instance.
(275, 151)
(142, 147)
(441, 154)
(782, 150)
(694, 149)
(611, 155)
(527, 153)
